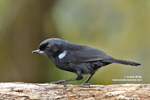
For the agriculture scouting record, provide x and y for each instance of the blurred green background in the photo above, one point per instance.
(121, 28)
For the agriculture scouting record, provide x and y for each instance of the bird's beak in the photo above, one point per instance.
(38, 51)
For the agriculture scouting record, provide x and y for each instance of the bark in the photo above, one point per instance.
(34, 91)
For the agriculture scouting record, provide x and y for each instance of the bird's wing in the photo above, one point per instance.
(84, 54)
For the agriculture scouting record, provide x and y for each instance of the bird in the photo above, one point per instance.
(76, 58)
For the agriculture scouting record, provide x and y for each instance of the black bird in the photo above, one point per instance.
(76, 58)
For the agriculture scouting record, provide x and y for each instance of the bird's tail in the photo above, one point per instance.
(122, 62)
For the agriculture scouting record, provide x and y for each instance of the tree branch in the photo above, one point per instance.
(28, 91)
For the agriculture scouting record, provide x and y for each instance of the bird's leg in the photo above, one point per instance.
(62, 81)
(79, 77)
(86, 82)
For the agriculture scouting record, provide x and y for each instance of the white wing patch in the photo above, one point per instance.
(62, 55)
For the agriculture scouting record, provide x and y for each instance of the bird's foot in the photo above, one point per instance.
(85, 84)
(60, 82)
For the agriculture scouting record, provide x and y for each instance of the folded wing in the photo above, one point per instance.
(84, 54)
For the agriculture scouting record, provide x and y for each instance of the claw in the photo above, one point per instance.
(60, 82)
(65, 86)
(88, 84)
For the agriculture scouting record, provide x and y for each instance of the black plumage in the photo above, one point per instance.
(76, 58)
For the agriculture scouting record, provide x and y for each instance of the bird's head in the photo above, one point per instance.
(50, 46)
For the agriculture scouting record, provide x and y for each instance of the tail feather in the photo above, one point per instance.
(122, 62)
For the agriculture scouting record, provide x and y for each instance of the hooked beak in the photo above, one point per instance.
(38, 51)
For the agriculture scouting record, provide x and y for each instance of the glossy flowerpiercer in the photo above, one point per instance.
(76, 58)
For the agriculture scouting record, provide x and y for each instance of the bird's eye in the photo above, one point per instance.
(48, 47)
